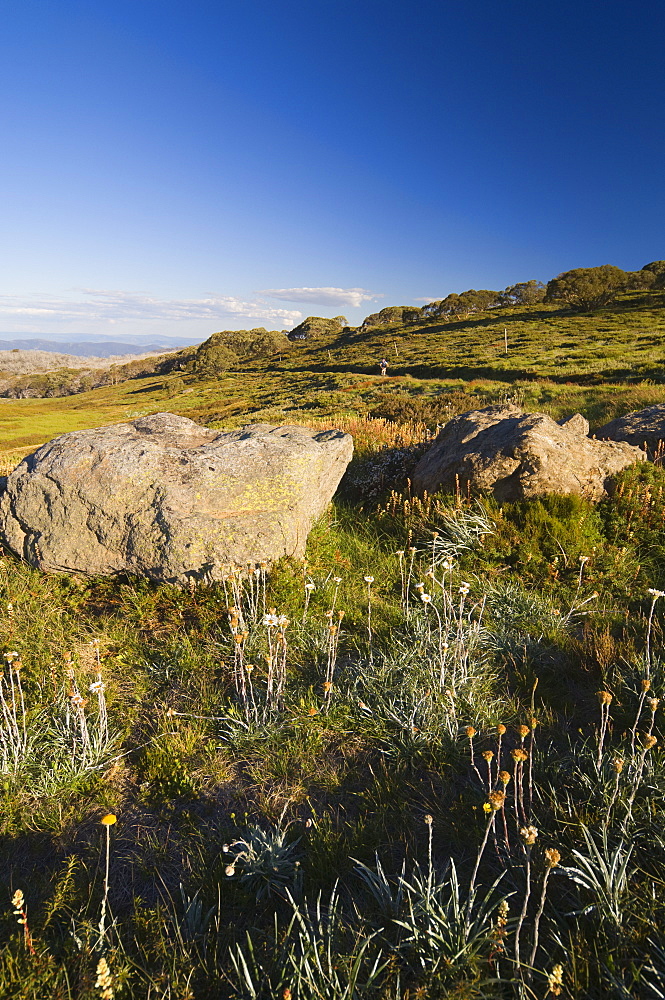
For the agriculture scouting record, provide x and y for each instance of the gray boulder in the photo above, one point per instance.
(642, 427)
(517, 455)
(165, 498)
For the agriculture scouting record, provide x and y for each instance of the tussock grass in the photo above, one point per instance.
(318, 823)
(426, 761)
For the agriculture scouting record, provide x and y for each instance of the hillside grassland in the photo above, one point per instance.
(424, 762)
(621, 342)
(601, 364)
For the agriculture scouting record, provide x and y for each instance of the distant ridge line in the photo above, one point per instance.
(88, 349)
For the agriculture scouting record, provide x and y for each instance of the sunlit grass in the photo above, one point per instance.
(425, 761)
(380, 739)
(601, 364)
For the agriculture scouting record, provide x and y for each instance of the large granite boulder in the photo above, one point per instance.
(517, 455)
(641, 427)
(165, 498)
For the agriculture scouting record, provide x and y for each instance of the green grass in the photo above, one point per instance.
(349, 773)
(271, 844)
(602, 364)
(621, 342)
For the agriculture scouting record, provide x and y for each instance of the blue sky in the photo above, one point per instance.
(183, 167)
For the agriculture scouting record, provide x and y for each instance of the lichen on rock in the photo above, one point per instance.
(517, 455)
(168, 499)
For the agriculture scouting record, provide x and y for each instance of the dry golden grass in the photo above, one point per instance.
(11, 457)
(371, 433)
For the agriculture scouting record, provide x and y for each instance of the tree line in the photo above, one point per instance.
(582, 288)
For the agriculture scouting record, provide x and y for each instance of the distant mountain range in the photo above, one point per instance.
(97, 347)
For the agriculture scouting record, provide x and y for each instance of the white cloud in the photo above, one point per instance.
(323, 296)
(104, 306)
(428, 298)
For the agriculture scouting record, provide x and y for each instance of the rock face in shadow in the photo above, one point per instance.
(165, 498)
(516, 455)
(641, 427)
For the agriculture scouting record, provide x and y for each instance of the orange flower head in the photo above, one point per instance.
(496, 800)
(552, 857)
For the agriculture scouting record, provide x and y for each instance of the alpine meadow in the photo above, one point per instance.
(425, 761)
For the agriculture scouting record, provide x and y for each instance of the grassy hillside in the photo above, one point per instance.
(459, 791)
(603, 364)
(544, 341)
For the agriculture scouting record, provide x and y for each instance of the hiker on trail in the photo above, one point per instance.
(384, 366)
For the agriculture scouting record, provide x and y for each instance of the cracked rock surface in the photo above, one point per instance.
(516, 455)
(164, 498)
